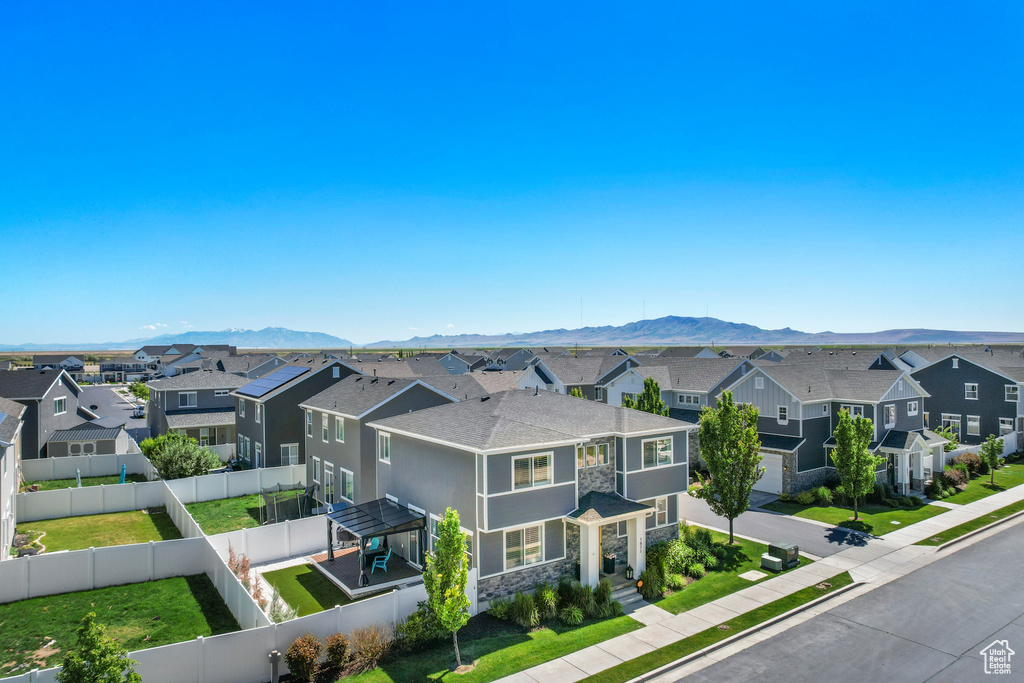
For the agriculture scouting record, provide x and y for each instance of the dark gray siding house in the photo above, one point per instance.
(198, 404)
(269, 424)
(545, 484)
(51, 401)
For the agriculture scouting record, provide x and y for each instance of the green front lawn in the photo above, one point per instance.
(57, 484)
(137, 616)
(670, 653)
(872, 519)
(306, 589)
(226, 514)
(967, 527)
(95, 531)
(495, 656)
(741, 556)
(1006, 478)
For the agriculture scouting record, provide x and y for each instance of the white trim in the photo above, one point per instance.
(885, 415)
(338, 422)
(256, 413)
(325, 427)
(309, 423)
(393, 499)
(656, 464)
(532, 488)
(912, 408)
(779, 411)
(523, 547)
(380, 437)
(532, 457)
(977, 421)
(241, 407)
(351, 478)
(63, 400)
(384, 402)
(1006, 393)
(195, 398)
(967, 391)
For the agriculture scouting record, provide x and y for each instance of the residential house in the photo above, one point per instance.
(269, 425)
(73, 365)
(250, 366)
(589, 374)
(689, 352)
(199, 405)
(10, 464)
(127, 369)
(973, 393)
(341, 450)
(459, 363)
(512, 359)
(542, 482)
(6, 364)
(749, 352)
(51, 399)
(152, 353)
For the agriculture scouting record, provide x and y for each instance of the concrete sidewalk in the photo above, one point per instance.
(883, 560)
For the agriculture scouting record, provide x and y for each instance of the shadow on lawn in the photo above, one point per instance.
(734, 558)
(215, 610)
(321, 589)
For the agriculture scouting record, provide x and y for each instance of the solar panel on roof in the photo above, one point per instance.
(264, 385)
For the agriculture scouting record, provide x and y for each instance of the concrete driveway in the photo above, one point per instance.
(769, 526)
(114, 409)
(930, 625)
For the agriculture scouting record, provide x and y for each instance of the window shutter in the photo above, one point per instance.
(522, 473)
(541, 470)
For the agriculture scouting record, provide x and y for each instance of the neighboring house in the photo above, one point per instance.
(974, 394)
(269, 424)
(458, 363)
(199, 405)
(687, 384)
(250, 366)
(689, 352)
(750, 353)
(6, 364)
(514, 359)
(541, 482)
(341, 450)
(127, 369)
(88, 439)
(10, 464)
(151, 353)
(799, 405)
(606, 351)
(51, 399)
(73, 365)
(589, 374)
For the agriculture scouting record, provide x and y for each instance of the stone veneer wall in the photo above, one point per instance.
(611, 543)
(794, 481)
(665, 533)
(693, 442)
(602, 477)
(525, 580)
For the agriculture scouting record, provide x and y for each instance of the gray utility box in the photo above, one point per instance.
(770, 563)
(789, 553)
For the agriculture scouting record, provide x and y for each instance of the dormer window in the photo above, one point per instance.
(759, 382)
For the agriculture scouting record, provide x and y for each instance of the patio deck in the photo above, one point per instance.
(344, 572)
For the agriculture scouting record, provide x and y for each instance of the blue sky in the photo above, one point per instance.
(378, 171)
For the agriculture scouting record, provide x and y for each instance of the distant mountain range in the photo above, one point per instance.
(670, 330)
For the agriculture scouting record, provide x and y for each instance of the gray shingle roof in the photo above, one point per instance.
(200, 379)
(596, 506)
(682, 351)
(245, 363)
(524, 419)
(86, 432)
(459, 387)
(689, 374)
(54, 360)
(813, 383)
(18, 384)
(494, 381)
(12, 412)
(200, 418)
(355, 395)
(573, 370)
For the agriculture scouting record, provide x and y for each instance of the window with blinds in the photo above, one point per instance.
(591, 456)
(657, 452)
(531, 471)
(524, 547)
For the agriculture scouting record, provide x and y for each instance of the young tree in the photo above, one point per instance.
(649, 399)
(445, 576)
(991, 452)
(139, 390)
(730, 447)
(175, 455)
(950, 436)
(577, 392)
(854, 464)
(97, 658)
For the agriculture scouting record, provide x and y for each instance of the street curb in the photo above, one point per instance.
(742, 634)
(969, 534)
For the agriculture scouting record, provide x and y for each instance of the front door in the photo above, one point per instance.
(414, 548)
(892, 471)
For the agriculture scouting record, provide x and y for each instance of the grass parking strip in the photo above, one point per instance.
(670, 653)
(977, 523)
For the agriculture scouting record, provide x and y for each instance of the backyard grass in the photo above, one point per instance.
(967, 527)
(741, 556)
(57, 484)
(665, 655)
(95, 531)
(306, 589)
(495, 656)
(36, 632)
(873, 519)
(226, 514)
(1006, 478)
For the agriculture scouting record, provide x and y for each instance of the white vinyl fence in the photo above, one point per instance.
(47, 469)
(234, 484)
(1009, 446)
(88, 500)
(274, 542)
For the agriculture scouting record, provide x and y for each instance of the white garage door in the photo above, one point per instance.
(771, 482)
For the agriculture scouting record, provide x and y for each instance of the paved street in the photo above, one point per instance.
(757, 523)
(927, 626)
(114, 410)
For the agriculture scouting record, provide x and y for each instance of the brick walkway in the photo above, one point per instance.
(876, 563)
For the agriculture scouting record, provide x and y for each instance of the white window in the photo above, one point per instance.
(854, 411)
(345, 485)
(927, 418)
(956, 363)
(248, 443)
(890, 416)
(626, 394)
(1005, 425)
(688, 399)
(524, 547)
(591, 456)
(598, 394)
(309, 423)
(783, 414)
(259, 454)
(657, 452)
(531, 472)
(824, 409)
(187, 399)
(241, 445)
(257, 412)
(289, 454)
(60, 405)
(970, 391)
(325, 427)
(759, 382)
(316, 470)
(950, 421)
(661, 514)
(221, 392)
(241, 407)
(435, 535)
(335, 372)
(339, 429)
(973, 425)
(622, 529)
(328, 482)
(1012, 393)
(384, 447)
(204, 436)
(912, 408)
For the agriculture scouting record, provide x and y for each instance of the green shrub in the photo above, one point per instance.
(657, 554)
(337, 649)
(805, 498)
(949, 491)
(783, 497)
(524, 610)
(983, 467)
(676, 582)
(571, 615)
(696, 571)
(934, 489)
(614, 608)
(839, 495)
(963, 469)
(546, 599)
(421, 628)
(652, 584)
(954, 477)
(969, 460)
(603, 593)
(823, 496)
(500, 608)
(564, 590)
(303, 657)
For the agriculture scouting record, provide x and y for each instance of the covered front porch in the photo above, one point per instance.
(596, 510)
(372, 546)
(910, 459)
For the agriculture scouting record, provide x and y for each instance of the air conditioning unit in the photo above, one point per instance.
(788, 553)
(770, 563)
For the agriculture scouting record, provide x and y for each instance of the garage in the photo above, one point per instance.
(771, 481)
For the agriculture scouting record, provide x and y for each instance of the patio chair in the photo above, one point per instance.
(374, 543)
(381, 561)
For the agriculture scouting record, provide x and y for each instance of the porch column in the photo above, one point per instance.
(636, 554)
(590, 563)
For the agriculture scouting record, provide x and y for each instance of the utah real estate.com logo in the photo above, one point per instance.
(997, 657)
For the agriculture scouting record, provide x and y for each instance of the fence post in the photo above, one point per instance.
(195, 489)
(28, 578)
(224, 478)
(103, 498)
(92, 568)
(288, 538)
(135, 496)
(201, 664)
(337, 618)
(152, 560)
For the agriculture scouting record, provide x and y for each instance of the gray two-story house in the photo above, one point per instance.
(198, 404)
(10, 463)
(269, 424)
(341, 449)
(51, 401)
(543, 483)
(589, 374)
